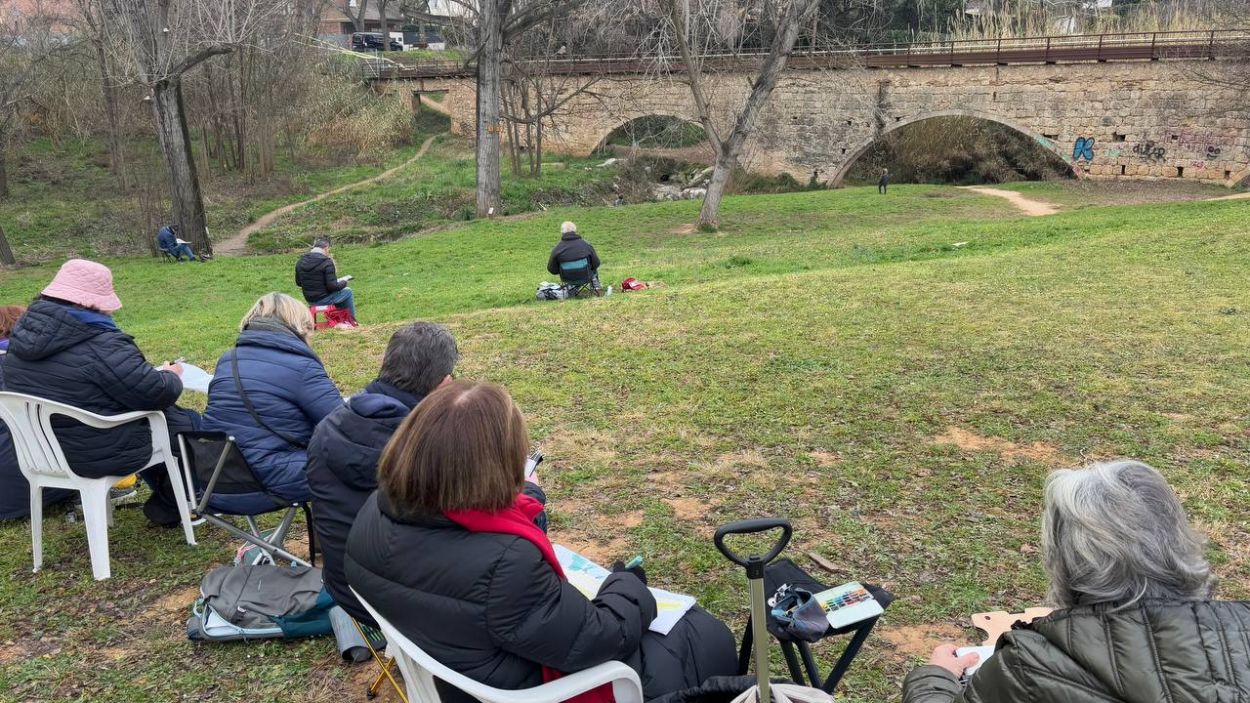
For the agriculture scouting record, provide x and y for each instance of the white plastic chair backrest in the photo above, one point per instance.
(29, 419)
(420, 670)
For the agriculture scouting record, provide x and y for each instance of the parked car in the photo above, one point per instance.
(372, 41)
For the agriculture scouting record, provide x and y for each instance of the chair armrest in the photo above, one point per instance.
(626, 687)
(104, 422)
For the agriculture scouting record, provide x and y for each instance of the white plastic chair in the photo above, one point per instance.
(420, 670)
(42, 462)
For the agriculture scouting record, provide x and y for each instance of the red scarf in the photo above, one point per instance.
(518, 519)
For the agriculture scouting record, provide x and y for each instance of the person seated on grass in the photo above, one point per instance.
(572, 249)
(1134, 621)
(269, 392)
(14, 490)
(167, 240)
(316, 277)
(68, 349)
(447, 552)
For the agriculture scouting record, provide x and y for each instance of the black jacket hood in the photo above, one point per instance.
(47, 329)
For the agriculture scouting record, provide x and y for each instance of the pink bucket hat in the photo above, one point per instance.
(84, 283)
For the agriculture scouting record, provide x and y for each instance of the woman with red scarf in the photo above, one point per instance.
(447, 551)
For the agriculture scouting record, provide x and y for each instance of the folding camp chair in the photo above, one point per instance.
(785, 571)
(214, 460)
(577, 276)
(375, 641)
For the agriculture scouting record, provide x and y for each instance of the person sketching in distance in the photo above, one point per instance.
(320, 283)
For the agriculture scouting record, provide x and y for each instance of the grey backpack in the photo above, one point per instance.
(262, 601)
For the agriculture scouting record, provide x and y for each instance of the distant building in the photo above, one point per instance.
(60, 13)
(337, 19)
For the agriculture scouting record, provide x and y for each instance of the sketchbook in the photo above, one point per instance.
(195, 378)
(587, 576)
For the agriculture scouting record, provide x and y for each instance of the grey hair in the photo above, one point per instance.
(321, 243)
(1116, 532)
(418, 358)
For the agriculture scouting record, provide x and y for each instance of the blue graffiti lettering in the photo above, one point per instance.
(1083, 149)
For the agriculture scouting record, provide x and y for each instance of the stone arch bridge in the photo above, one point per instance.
(1111, 106)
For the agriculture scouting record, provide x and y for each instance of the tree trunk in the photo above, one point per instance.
(6, 253)
(184, 182)
(117, 160)
(488, 79)
(386, 25)
(709, 214)
(761, 90)
(4, 170)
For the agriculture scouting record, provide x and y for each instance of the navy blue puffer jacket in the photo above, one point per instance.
(81, 358)
(343, 471)
(290, 390)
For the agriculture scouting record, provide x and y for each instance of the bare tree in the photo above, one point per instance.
(357, 17)
(498, 22)
(24, 48)
(717, 26)
(92, 25)
(157, 42)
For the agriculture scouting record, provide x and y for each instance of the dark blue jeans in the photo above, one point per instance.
(342, 298)
(180, 251)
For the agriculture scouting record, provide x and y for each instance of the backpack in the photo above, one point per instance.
(263, 601)
(551, 291)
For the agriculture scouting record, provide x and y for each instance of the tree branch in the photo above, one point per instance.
(199, 57)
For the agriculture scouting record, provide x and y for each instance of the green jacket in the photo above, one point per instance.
(1155, 652)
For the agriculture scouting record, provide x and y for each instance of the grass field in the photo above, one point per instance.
(896, 375)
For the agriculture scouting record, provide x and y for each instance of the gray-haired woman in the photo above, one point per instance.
(1133, 622)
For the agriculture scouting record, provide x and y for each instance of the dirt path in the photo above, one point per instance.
(236, 245)
(1238, 196)
(1028, 206)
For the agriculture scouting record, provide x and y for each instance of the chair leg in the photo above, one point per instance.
(180, 492)
(383, 661)
(36, 524)
(95, 517)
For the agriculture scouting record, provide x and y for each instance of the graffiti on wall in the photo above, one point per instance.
(1083, 149)
(1151, 151)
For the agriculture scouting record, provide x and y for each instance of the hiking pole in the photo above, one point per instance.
(754, 565)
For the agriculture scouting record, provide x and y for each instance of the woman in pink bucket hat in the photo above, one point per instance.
(67, 348)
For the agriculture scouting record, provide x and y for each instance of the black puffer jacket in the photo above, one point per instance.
(57, 352)
(14, 490)
(572, 248)
(343, 470)
(488, 605)
(1156, 652)
(315, 275)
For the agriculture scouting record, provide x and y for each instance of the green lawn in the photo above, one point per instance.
(436, 190)
(830, 356)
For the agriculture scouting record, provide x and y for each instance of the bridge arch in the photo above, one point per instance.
(602, 135)
(854, 154)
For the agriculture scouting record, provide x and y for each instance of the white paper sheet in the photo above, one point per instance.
(195, 378)
(587, 576)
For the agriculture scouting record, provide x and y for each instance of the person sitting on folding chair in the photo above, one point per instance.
(446, 551)
(167, 240)
(575, 261)
(68, 349)
(269, 392)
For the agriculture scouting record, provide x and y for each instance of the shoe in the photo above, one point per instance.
(121, 495)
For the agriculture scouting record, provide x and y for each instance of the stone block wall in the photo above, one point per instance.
(1134, 120)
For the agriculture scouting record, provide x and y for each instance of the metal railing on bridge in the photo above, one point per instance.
(1073, 48)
